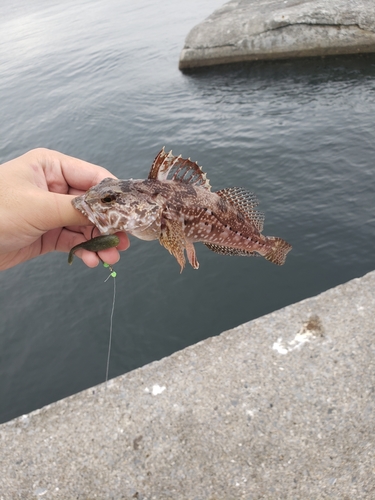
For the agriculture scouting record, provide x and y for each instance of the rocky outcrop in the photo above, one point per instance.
(248, 30)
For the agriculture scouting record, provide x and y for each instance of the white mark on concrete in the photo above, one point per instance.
(277, 346)
(299, 340)
(304, 335)
(360, 309)
(25, 420)
(156, 389)
(296, 343)
(39, 492)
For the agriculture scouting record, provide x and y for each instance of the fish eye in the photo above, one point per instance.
(108, 198)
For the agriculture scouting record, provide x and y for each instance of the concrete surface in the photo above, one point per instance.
(247, 30)
(282, 407)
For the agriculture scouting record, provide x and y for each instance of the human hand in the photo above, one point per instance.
(36, 214)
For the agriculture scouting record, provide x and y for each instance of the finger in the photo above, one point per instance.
(56, 210)
(124, 241)
(111, 256)
(82, 175)
(89, 258)
(63, 172)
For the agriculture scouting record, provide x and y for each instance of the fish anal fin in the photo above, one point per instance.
(245, 201)
(172, 238)
(169, 167)
(225, 250)
(278, 251)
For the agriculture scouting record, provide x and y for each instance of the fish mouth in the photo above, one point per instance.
(97, 219)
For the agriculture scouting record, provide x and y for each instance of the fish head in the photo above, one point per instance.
(121, 205)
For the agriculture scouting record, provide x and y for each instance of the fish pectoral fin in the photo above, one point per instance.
(172, 238)
(222, 250)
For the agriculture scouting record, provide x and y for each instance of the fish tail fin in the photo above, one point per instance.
(277, 251)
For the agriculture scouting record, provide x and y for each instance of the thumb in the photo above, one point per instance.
(58, 211)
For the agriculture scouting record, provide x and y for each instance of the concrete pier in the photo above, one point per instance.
(281, 407)
(248, 30)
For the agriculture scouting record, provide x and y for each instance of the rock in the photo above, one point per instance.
(248, 30)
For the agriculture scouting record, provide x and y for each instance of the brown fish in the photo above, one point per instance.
(175, 204)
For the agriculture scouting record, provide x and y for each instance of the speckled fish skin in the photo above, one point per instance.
(175, 204)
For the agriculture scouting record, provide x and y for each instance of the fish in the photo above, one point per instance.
(175, 205)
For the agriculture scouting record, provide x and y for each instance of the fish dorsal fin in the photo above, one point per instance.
(245, 201)
(166, 166)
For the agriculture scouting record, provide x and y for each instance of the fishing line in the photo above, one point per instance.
(112, 275)
(101, 242)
